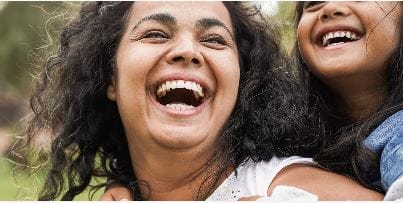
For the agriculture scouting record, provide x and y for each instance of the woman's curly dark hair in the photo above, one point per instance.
(270, 116)
(343, 150)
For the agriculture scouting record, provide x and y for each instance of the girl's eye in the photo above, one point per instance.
(310, 4)
(214, 40)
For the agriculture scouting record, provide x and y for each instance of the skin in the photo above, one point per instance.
(166, 41)
(116, 192)
(344, 67)
(329, 186)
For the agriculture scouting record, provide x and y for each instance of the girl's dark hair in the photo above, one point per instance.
(88, 139)
(343, 150)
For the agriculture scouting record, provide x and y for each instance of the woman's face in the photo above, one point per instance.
(338, 39)
(177, 73)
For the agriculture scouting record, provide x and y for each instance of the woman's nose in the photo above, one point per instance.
(185, 51)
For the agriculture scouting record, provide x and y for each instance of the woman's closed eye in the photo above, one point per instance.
(154, 36)
(309, 5)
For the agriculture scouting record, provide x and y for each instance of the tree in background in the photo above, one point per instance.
(26, 30)
(284, 17)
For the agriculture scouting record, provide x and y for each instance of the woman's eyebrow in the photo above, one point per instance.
(206, 23)
(163, 18)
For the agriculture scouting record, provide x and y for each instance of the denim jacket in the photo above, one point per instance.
(387, 139)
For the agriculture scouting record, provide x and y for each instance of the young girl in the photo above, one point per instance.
(350, 54)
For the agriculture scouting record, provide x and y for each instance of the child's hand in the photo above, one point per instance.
(250, 198)
(116, 192)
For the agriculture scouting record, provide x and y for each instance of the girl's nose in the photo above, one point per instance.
(334, 10)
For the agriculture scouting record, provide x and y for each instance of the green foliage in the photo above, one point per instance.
(21, 186)
(285, 17)
(8, 189)
(27, 30)
(28, 35)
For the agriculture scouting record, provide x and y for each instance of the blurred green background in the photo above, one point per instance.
(28, 34)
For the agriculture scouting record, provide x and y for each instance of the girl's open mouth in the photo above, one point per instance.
(337, 37)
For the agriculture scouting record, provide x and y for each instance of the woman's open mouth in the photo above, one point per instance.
(180, 95)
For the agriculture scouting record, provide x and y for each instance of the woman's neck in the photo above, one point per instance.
(177, 174)
(361, 96)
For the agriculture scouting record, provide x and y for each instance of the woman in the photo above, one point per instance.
(173, 97)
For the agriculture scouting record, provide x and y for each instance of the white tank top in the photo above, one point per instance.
(253, 178)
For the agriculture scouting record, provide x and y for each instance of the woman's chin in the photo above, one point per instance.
(180, 137)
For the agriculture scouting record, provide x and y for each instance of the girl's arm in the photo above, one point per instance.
(324, 184)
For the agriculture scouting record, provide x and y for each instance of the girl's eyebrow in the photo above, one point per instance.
(163, 18)
(206, 23)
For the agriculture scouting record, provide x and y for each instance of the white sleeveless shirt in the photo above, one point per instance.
(253, 178)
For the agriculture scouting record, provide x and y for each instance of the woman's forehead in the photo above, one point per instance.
(181, 11)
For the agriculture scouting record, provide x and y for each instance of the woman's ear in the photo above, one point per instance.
(111, 91)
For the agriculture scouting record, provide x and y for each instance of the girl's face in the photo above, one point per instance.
(177, 74)
(338, 39)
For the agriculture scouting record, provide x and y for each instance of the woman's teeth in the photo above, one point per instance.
(179, 107)
(175, 84)
(329, 38)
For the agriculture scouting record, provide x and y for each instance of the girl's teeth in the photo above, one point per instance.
(328, 36)
(342, 34)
